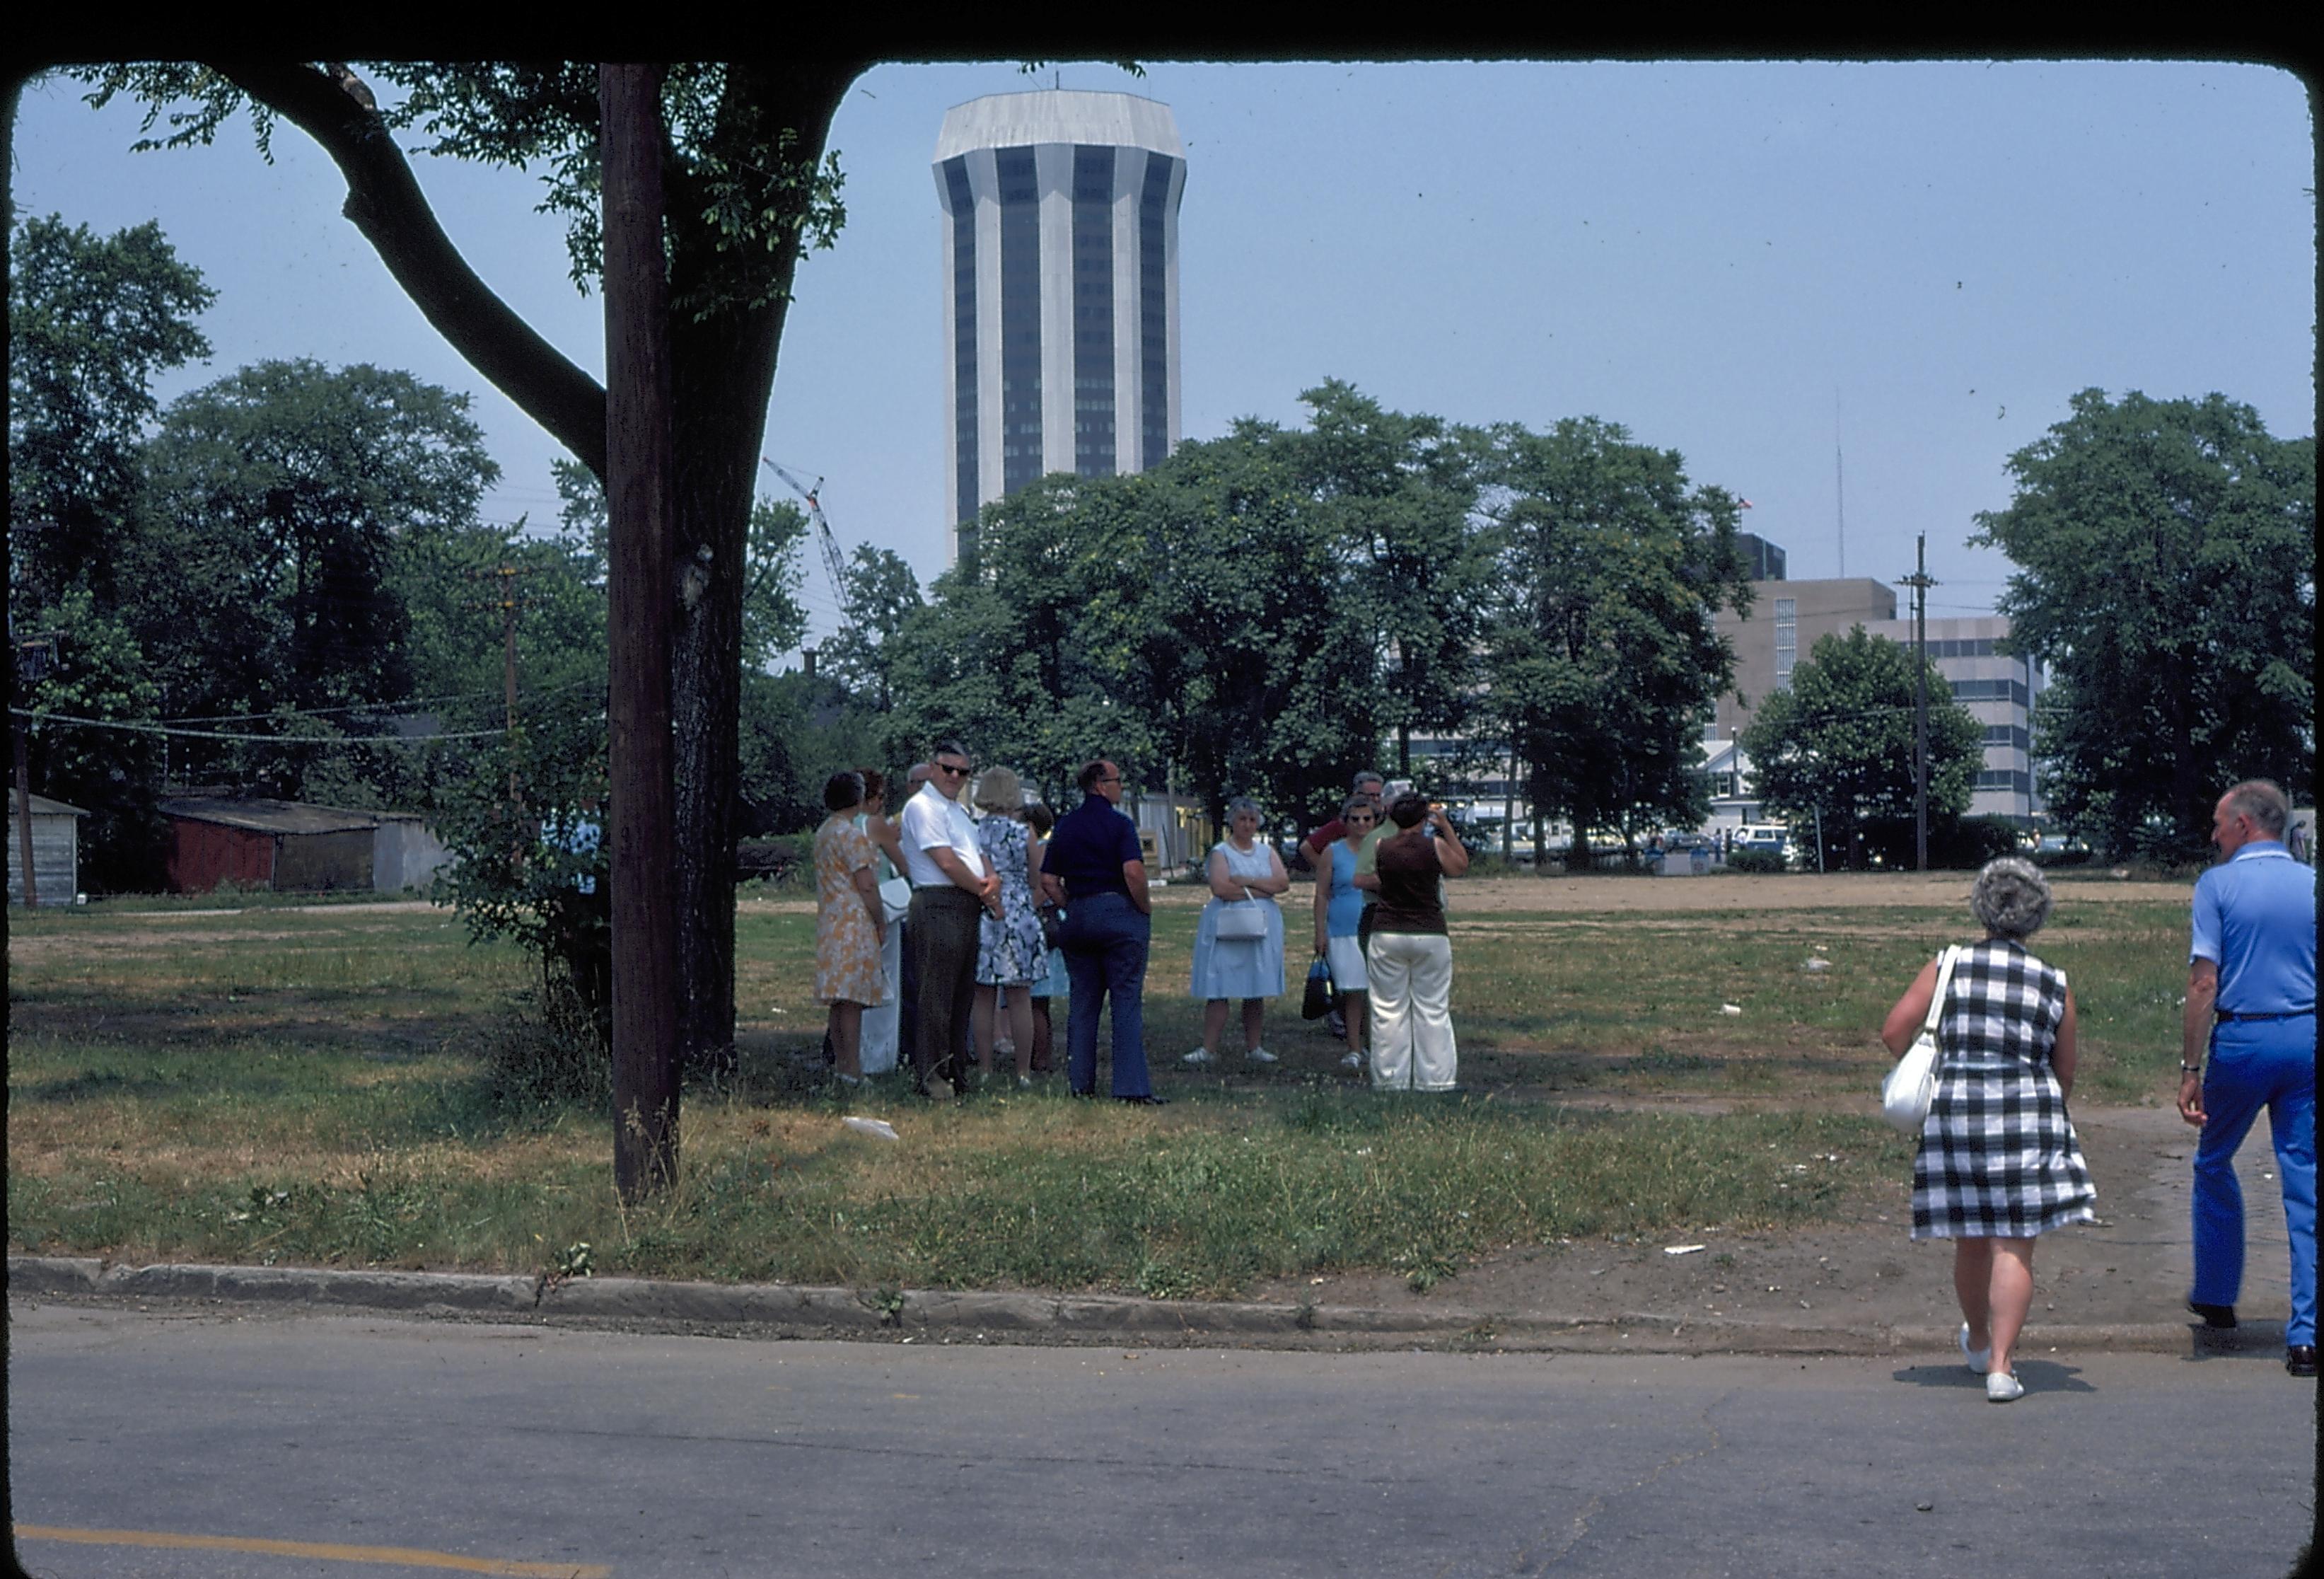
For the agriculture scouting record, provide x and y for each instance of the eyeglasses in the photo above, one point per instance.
(961, 767)
(1109, 779)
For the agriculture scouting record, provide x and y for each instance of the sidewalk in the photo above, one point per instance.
(1850, 1289)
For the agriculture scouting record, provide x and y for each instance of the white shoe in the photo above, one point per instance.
(1258, 1055)
(1351, 1060)
(2003, 1387)
(1198, 1057)
(1979, 1360)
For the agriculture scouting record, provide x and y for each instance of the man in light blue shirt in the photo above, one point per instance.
(2251, 1001)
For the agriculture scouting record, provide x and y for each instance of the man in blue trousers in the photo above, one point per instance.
(1094, 867)
(2251, 1001)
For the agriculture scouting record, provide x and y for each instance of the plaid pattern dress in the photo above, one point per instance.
(1998, 1158)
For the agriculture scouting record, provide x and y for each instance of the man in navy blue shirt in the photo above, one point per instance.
(1094, 867)
(2251, 1000)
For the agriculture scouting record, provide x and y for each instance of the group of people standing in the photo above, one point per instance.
(1379, 929)
(1005, 910)
(984, 900)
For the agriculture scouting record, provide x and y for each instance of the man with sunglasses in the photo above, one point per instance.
(952, 888)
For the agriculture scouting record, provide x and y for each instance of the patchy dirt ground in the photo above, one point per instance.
(2130, 1267)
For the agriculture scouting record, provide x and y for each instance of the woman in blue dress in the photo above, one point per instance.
(1010, 956)
(1339, 908)
(1243, 872)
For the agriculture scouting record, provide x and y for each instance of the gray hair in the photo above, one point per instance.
(1370, 776)
(2260, 800)
(1241, 804)
(1356, 803)
(2011, 898)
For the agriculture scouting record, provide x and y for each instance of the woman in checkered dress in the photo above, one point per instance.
(1998, 1162)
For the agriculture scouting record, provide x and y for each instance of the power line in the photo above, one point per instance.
(163, 729)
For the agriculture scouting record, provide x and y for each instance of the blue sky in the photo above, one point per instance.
(1745, 262)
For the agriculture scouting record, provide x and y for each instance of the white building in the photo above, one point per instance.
(1061, 305)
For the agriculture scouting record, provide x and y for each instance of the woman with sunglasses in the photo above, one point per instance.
(1339, 907)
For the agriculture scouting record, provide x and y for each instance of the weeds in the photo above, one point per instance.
(355, 1089)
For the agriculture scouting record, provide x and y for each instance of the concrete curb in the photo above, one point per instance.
(786, 1308)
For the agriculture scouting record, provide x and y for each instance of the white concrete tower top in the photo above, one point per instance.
(1018, 120)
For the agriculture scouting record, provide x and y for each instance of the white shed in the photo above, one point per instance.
(405, 853)
(56, 850)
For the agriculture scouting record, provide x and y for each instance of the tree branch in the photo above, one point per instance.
(384, 202)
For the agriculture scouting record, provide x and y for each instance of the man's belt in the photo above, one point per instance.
(2226, 1015)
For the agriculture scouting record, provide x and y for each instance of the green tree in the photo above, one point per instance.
(1833, 753)
(91, 321)
(879, 596)
(1392, 494)
(2166, 555)
(1600, 658)
(747, 186)
(276, 501)
(98, 670)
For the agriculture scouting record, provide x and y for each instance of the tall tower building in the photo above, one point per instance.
(1061, 300)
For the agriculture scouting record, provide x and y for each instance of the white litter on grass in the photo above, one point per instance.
(1817, 964)
(1730, 1008)
(1683, 1249)
(879, 1128)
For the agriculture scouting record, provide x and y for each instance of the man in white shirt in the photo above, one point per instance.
(951, 891)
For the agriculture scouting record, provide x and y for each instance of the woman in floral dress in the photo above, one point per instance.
(849, 925)
(1009, 953)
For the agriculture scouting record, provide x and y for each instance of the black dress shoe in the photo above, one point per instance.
(2300, 1359)
(1145, 1100)
(2214, 1315)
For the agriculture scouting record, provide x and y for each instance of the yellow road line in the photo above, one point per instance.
(408, 1556)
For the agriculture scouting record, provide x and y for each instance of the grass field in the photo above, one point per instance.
(307, 1087)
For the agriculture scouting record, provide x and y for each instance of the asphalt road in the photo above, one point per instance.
(374, 1445)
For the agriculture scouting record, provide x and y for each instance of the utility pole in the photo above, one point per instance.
(639, 495)
(1919, 583)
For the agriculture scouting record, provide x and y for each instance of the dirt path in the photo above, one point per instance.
(2131, 1266)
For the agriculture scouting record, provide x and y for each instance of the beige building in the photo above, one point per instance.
(1787, 617)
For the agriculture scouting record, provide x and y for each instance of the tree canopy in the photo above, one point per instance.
(2166, 554)
(1602, 663)
(91, 321)
(1267, 612)
(748, 186)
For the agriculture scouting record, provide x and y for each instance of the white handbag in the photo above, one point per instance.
(1241, 921)
(1912, 1086)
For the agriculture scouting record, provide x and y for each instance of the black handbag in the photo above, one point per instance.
(1053, 926)
(1317, 1002)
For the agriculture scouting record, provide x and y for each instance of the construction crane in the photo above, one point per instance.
(833, 566)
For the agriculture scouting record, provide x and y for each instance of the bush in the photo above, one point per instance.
(550, 1051)
(1759, 861)
(784, 859)
(1958, 844)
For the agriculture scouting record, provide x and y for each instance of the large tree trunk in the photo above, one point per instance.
(725, 369)
(723, 362)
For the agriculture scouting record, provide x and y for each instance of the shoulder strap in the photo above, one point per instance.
(1944, 980)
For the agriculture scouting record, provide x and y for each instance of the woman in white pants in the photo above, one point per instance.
(1409, 959)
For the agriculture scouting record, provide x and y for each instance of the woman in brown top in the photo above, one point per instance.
(1410, 958)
